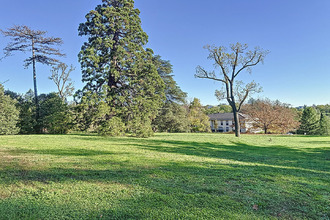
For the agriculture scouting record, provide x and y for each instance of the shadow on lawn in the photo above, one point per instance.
(277, 155)
(65, 152)
(277, 159)
(194, 184)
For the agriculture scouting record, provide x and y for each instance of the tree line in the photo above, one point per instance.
(127, 88)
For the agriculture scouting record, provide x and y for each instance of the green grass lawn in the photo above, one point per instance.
(169, 176)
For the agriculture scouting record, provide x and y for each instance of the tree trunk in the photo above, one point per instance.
(111, 77)
(35, 83)
(237, 125)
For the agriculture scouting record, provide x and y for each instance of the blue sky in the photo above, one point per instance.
(296, 32)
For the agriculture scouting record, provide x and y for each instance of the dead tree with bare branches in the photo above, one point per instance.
(61, 77)
(24, 39)
(231, 64)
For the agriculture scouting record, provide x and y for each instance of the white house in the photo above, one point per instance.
(224, 122)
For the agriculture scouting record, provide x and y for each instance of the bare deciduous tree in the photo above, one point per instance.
(231, 64)
(61, 77)
(24, 39)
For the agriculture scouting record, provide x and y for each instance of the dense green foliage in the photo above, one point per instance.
(25, 104)
(309, 121)
(325, 109)
(116, 66)
(324, 126)
(198, 120)
(90, 112)
(172, 117)
(8, 114)
(168, 176)
(55, 117)
(27, 111)
(112, 127)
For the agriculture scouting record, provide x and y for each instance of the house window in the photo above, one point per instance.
(221, 122)
(227, 129)
(227, 123)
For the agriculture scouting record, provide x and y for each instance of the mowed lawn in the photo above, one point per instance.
(168, 176)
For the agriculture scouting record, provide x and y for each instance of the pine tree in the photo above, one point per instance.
(309, 121)
(24, 39)
(324, 128)
(8, 114)
(116, 66)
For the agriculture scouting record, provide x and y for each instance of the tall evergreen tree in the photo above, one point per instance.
(115, 63)
(8, 114)
(309, 121)
(324, 127)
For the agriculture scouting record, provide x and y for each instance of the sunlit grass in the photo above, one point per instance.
(169, 176)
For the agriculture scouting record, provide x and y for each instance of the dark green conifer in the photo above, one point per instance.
(8, 114)
(324, 128)
(116, 66)
(309, 121)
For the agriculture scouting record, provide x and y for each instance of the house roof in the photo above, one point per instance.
(225, 116)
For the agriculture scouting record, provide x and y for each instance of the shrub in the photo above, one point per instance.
(112, 127)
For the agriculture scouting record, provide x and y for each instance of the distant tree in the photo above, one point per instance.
(8, 114)
(173, 117)
(116, 66)
(28, 122)
(324, 127)
(231, 64)
(24, 39)
(61, 77)
(219, 109)
(55, 117)
(25, 104)
(271, 116)
(309, 121)
(325, 109)
(199, 121)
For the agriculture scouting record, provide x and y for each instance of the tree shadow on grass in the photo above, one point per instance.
(64, 152)
(315, 159)
(179, 187)
(249, 176)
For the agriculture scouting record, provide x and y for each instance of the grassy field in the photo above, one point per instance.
(169, 176)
